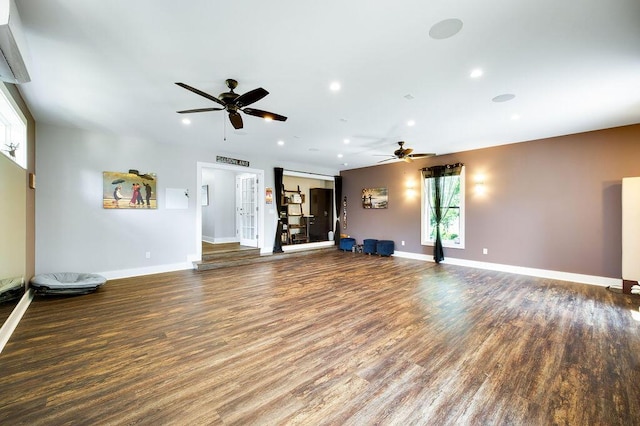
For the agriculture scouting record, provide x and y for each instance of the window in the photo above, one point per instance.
(452, 208)
(13, 130)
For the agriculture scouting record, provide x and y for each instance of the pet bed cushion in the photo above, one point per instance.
(67, 282)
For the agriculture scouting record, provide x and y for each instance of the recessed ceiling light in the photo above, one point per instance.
(186, 121)
(504, 97)
(334, 86)
(411, 123)
(280, 143)
(346, 141)
(445, 29)
(340, 155)
(476, 73)
(345, 164)
(515, 116)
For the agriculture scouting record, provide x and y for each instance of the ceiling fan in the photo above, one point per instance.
(405, 154)
(232, 102)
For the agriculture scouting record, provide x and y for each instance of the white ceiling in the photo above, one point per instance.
(110, 66)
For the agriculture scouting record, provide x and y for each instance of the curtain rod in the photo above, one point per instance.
(448, 166)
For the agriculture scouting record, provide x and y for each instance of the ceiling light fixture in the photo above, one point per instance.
(476, 73)
(504, 97)
(280, 143)
(411, 123)
(445, 29)
(340, 155)
(346, 141)
(186, 121)
(515, 116)
(335, 86)
(268, 119)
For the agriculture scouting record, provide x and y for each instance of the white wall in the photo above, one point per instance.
(219, 217)
(74, 232)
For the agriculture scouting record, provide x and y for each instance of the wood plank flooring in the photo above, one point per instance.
(335, 339)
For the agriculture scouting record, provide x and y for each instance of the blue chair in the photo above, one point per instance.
(384, 247)
(346, 244)
(369, 246)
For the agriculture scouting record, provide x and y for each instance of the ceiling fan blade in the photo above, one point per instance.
(387, 159)
(250, 97)
(407, 151)
(187, 111)
(407, 159)
(236, 120)
(414, 156)
(264, 114)
(201, 93)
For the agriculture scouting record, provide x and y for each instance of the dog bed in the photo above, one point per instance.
(67, 283)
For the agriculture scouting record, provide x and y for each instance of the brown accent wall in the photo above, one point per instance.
(551, 204)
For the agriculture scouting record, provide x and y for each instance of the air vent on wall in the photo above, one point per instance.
(13, 68)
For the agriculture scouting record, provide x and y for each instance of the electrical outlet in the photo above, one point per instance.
(148, 255)
(485, 251)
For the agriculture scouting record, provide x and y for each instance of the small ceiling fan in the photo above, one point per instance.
(233, 102)
(405, 154)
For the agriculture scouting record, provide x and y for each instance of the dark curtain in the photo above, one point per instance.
(337, 187)
(278, 173)
(441, 198)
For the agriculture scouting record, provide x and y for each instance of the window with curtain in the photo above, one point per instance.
(443, 194)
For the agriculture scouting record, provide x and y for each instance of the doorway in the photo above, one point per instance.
(230, 205)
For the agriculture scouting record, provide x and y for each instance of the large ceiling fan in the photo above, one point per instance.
(405, 154)
(232, 102)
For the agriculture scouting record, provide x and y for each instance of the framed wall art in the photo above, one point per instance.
(129, 190)
(375, 198)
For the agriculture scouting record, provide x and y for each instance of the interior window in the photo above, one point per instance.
(13, 129)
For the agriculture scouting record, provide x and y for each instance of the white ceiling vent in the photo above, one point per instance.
(12, 45)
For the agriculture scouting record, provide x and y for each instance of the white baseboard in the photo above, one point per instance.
(14, 318)
(307, 246)
(540, 273)
(148, 270)
(219, 240)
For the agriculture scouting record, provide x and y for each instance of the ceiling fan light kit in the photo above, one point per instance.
(405, 154)
(234, 103)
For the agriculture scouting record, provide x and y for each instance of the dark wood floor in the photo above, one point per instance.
(340, 338)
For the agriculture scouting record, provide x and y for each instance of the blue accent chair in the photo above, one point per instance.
(385, 247)
(369, 246)
(346, 244)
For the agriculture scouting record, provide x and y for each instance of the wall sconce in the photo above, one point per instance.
(479, 185)
(410, 192)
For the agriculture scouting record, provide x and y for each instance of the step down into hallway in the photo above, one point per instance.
(216, 256)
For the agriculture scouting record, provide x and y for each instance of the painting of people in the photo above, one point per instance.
(129, 190)
(375, 198)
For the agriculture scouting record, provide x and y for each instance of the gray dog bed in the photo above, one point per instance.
(67, 283)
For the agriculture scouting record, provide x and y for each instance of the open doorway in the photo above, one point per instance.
(307, 212)
(230, 206)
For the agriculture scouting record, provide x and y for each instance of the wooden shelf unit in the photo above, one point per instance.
(293, 220)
